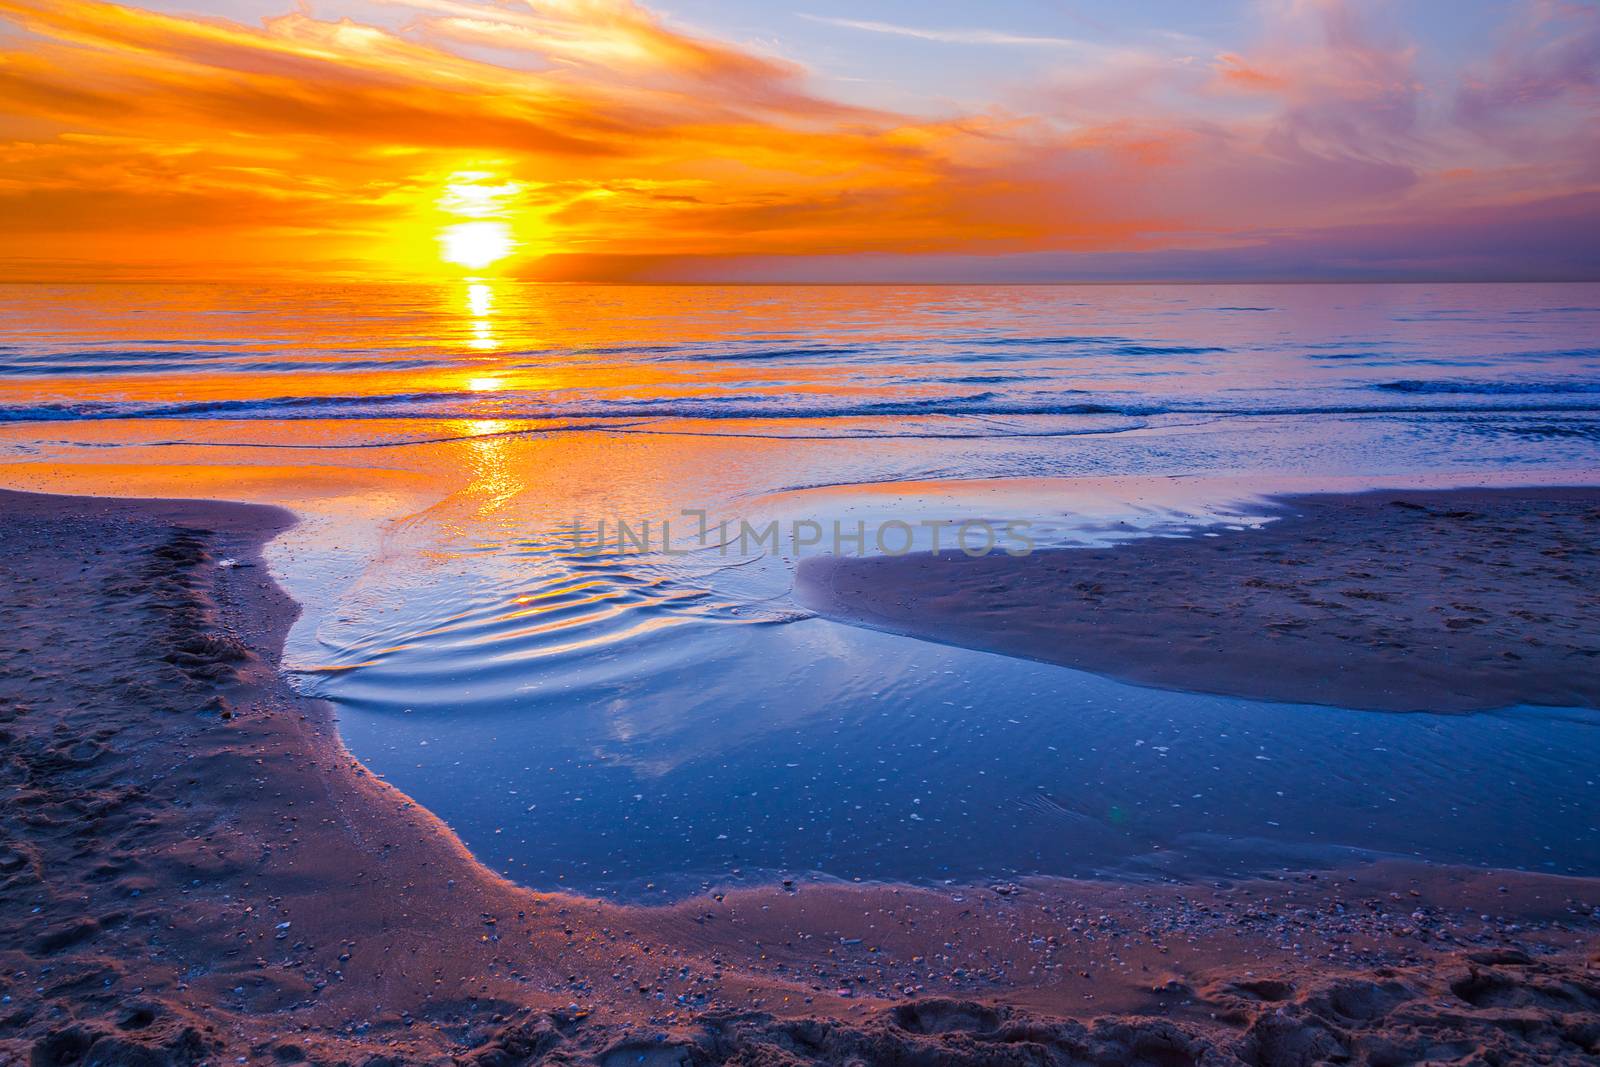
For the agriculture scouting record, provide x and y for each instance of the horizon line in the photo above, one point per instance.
(704, 283)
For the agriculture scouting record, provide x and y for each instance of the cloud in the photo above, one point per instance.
(969, 36)
(1345, 90)
(612, 38)
(1546, 241)
(1549, 54)
(161, 126)
(136, 141)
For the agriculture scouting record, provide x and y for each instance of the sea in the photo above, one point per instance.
(548, 537)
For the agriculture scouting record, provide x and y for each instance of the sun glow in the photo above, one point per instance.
(468, 196)
(476, 245)
(488, 205)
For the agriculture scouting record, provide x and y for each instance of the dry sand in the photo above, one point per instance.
(1456, 600)
(193, 870)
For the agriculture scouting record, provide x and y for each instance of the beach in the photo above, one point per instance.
(196, 870)
(369, 756)
(590, 534)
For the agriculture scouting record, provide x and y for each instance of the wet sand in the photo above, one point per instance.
(1453, 600)
(193, 870)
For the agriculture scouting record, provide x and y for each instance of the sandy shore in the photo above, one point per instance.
(193, 870)
(1455, 600)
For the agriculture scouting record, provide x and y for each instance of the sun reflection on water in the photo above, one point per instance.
(495, 479)
(480, 305)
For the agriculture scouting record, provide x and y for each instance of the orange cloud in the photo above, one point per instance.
(145, 144)
(329, 142)
(1236, 72)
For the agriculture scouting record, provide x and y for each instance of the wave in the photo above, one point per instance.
(1040, 342)
(43, 369)
(266, 357)
(260, 356)
(954, 347)
(1164, 350)
(1459, 387)
(751, 355)
(1499, 397)
(471, 405)
(314, 407)
(987, 379)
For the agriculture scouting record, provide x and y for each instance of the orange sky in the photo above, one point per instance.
(571, 138)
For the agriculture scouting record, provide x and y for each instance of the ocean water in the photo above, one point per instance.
(644, 718)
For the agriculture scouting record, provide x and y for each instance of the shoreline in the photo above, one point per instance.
(1444, 600)
(194, 870)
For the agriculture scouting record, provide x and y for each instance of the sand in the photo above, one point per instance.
(193, 870)
(1460, 600)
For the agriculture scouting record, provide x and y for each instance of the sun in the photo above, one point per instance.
(476, 245)
(481, 207)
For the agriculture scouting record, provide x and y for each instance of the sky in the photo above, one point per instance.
(709, 140)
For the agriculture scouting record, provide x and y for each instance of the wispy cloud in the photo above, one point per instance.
(959, 36)
(1550, 55)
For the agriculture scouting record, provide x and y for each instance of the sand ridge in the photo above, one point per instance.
(193, 870)
(1447, 600)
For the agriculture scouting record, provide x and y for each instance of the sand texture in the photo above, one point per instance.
(194, 871)
(1442, 601)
